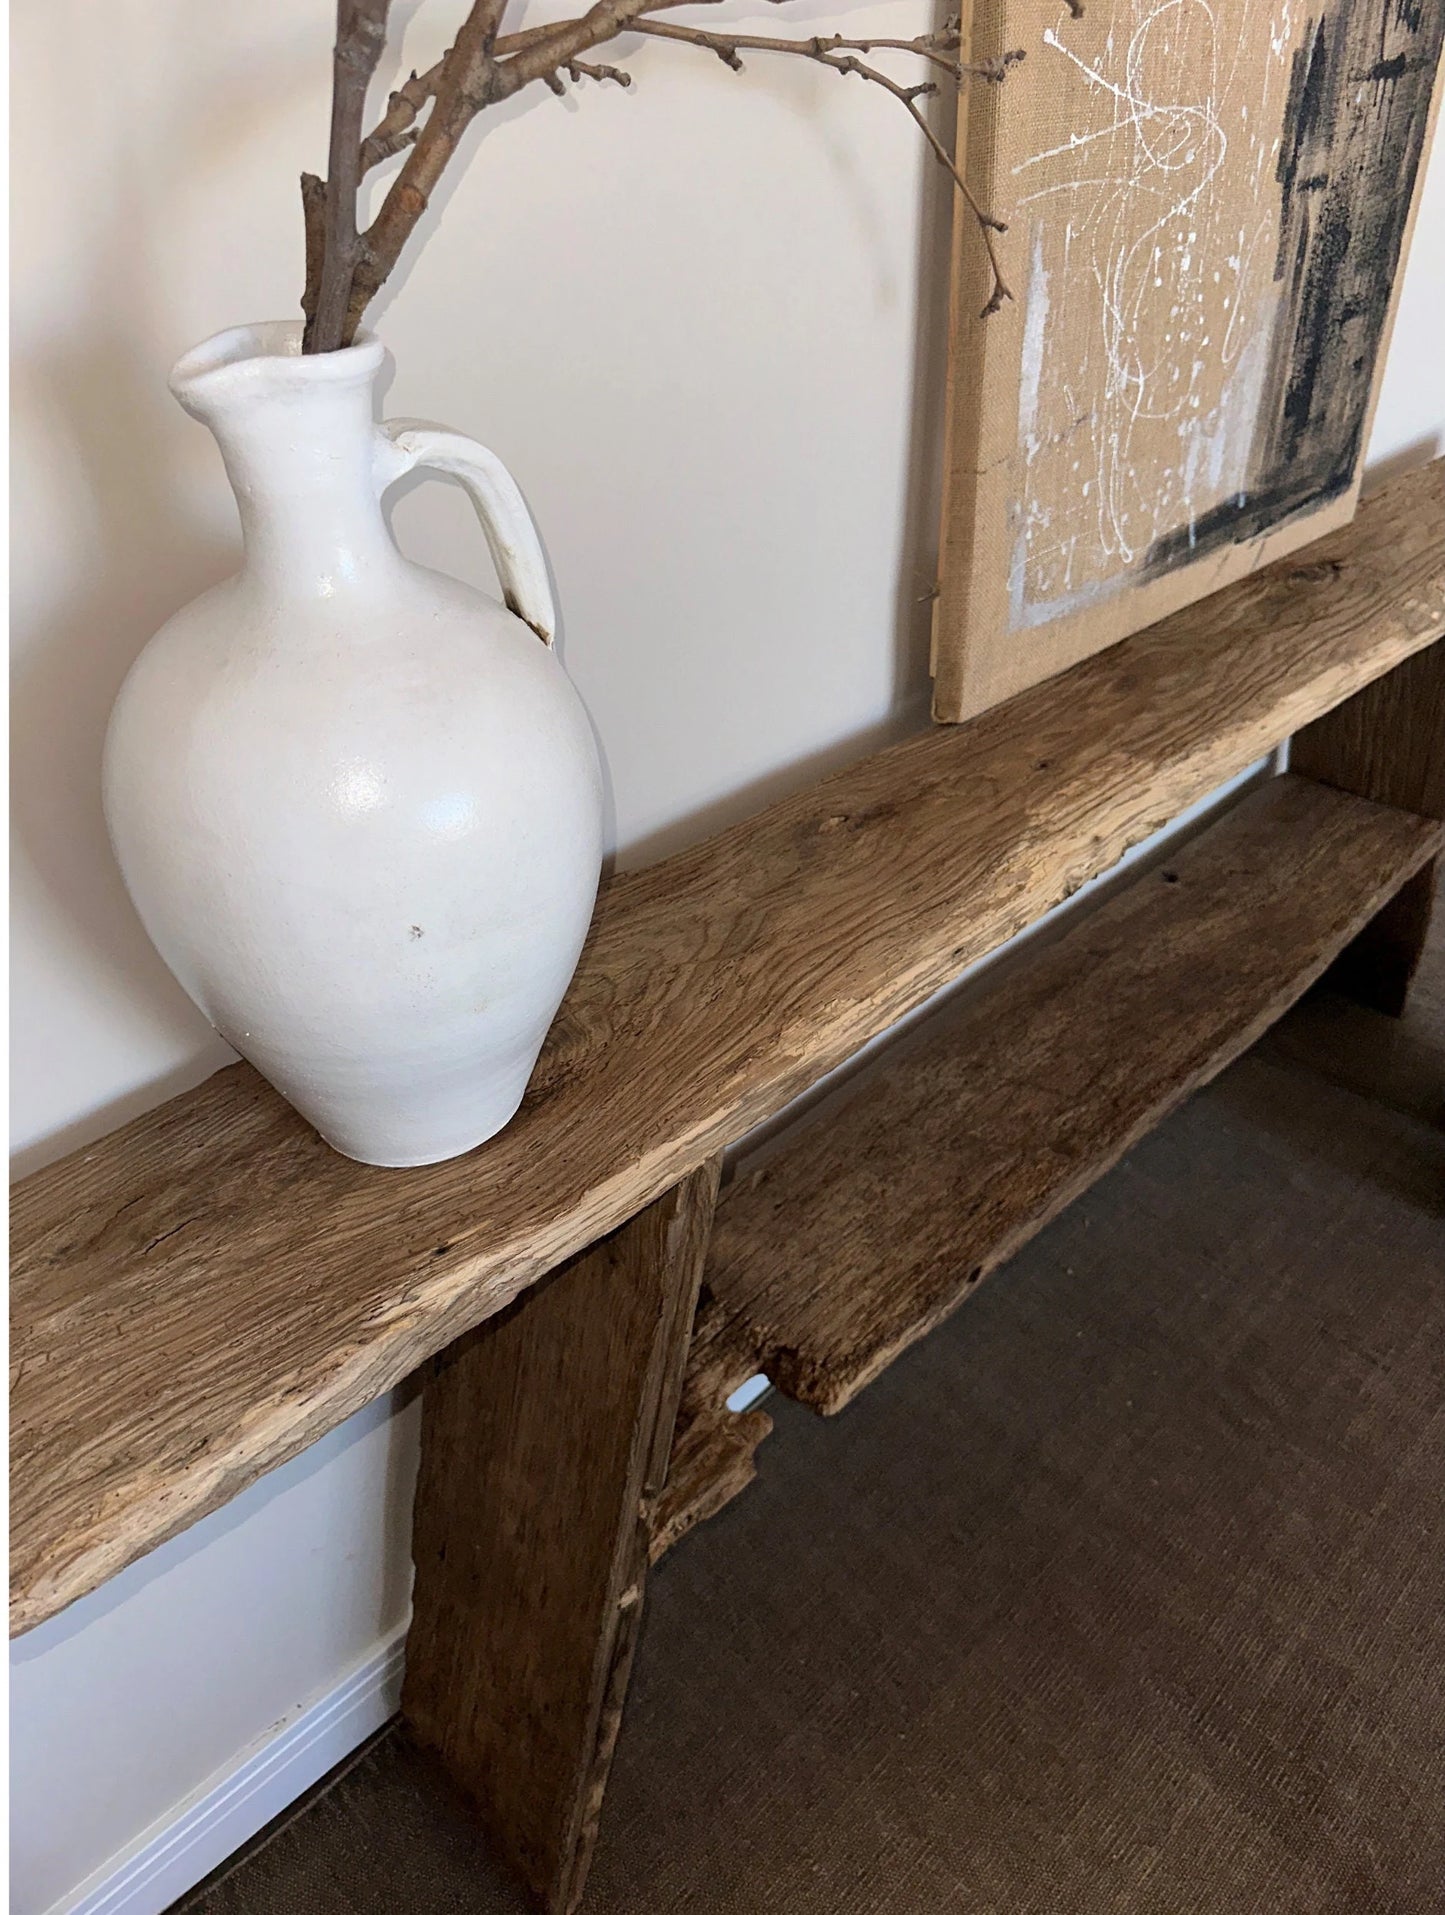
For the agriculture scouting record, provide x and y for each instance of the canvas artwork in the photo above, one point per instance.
(1208, 208)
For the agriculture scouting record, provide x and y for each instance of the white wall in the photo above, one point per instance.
(693, 320)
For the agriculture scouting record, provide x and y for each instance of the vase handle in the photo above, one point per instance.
(405, 444)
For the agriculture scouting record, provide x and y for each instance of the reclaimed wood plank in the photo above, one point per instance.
(879, 1215)
(545, 1439)
(209, 1289)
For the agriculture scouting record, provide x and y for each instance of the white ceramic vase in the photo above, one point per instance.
(356, 803)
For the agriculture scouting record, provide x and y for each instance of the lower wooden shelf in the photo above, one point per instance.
(925, 1172)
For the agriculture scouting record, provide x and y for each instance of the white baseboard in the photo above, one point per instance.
(180, 1849)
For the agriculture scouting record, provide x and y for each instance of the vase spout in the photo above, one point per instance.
(298, 437)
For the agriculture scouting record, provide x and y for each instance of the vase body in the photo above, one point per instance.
(356, 803)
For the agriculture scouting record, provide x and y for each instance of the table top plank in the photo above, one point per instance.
(207, 1290)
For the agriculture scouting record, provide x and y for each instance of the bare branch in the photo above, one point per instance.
(940, 49)
(360, 37)
(427, 115)
(833, 50)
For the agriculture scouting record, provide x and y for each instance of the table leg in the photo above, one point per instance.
(545, 1434)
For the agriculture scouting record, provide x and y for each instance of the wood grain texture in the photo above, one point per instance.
(209, 1289)
(912, 1182)
(545, 1439)
(1387, 742)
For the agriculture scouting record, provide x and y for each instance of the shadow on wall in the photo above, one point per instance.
(95, 413)
(1410, 458)
(923, 498)
(91, 439)
(101, 410)
(916, 584)
(391, 1593)
(143, 561)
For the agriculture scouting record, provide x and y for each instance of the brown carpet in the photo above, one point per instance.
(1124, 1592)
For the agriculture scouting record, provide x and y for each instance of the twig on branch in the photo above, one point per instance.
(396, 128)
(587, 70)
(360, 38)
(578, 70)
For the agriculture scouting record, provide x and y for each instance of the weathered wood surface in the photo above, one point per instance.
(1387, 742)
(545, 1439)
(913, 1181)
(209, 1289)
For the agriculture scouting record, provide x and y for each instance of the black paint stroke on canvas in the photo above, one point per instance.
(1354, 131)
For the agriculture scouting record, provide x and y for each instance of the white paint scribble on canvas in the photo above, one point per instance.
(1150, 296)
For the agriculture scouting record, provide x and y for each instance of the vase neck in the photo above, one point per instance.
(298, 439)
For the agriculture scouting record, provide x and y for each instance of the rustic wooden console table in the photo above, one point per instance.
(209, 1289)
